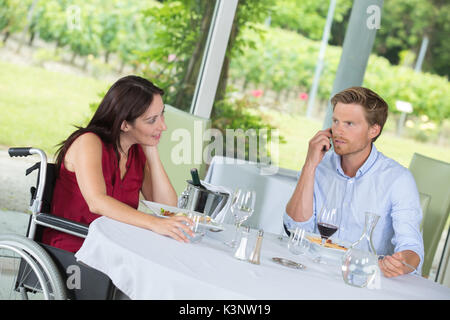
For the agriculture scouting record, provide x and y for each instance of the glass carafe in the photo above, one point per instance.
(360, 262)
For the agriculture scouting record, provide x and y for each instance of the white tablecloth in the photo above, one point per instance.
(274, 187)
(145, 265)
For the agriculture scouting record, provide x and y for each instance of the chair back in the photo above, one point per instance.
(181, 146)
(443, 272)
(432, 178)
(273, 186)
(424, 203)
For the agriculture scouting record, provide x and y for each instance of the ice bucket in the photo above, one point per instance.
(202, 200)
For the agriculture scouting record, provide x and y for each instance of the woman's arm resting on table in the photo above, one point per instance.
(85, 158)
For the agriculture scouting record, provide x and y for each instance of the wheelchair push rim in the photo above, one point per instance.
(26, 271)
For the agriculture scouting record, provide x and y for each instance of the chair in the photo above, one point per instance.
(443, 272)
(181, 146)
(424, 203)
(273, 186)
(432, 178)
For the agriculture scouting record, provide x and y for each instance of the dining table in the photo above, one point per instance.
(146, 265)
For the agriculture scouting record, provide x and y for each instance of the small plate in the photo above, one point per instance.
(329, 252)
(155, 209)
(288, 263)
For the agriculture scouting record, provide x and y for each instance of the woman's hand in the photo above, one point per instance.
(173, 227)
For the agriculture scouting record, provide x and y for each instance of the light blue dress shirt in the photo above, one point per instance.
(381, 186)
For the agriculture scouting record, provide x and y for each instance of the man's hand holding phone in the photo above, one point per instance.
(318, 146)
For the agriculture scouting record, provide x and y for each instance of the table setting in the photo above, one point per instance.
(228, 262)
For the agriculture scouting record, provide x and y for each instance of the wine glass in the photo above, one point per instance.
(298, 243)
(242, 207)
(330, 215)
(328, 221)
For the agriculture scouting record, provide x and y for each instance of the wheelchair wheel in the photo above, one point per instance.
(27, 271)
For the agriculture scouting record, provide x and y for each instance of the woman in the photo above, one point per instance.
(103, 167)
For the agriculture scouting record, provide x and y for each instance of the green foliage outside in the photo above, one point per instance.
(307, 17)
(12, 16)
(285, 61)
(164, 42)
(40, 107)
(404, 23)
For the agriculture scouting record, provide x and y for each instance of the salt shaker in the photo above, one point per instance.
(254, 256)
(241, 251)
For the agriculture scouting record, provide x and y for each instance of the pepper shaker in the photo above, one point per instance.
(255, 255)
(241, 251)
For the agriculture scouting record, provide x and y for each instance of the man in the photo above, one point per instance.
(368, 180)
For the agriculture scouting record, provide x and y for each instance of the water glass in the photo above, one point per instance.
(298, 243)
(196, 228)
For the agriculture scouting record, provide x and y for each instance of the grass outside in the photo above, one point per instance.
(39, 108)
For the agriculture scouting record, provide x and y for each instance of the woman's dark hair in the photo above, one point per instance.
(127, 99)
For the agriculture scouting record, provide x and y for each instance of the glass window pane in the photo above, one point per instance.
(59, 57)
(271, 73)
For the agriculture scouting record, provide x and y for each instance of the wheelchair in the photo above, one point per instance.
(30, 269)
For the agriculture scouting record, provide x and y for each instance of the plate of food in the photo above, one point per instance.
(165, 211)
(333, 248)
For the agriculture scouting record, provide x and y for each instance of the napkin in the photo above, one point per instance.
(219, 215)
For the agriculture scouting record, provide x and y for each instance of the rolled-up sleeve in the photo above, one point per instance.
(308, 225)
(406, 216)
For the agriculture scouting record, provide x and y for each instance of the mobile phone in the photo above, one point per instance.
(324, 149)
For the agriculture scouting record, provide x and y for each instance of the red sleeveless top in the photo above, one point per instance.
(68, 202)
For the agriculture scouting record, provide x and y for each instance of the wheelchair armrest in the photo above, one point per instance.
(62, 224)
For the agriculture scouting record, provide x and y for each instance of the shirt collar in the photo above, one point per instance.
(363, 169)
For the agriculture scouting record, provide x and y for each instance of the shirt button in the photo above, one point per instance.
(350, 181)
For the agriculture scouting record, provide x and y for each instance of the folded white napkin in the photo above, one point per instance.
(219, 215)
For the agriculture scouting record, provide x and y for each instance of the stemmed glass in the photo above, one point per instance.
(242, 207)
(330, 215)
(328, 221)
(328, 224)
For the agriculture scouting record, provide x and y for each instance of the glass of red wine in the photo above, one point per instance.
(328, 222)
(329, 217)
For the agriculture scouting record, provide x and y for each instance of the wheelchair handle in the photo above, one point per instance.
(24, 152)
(19, 152)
